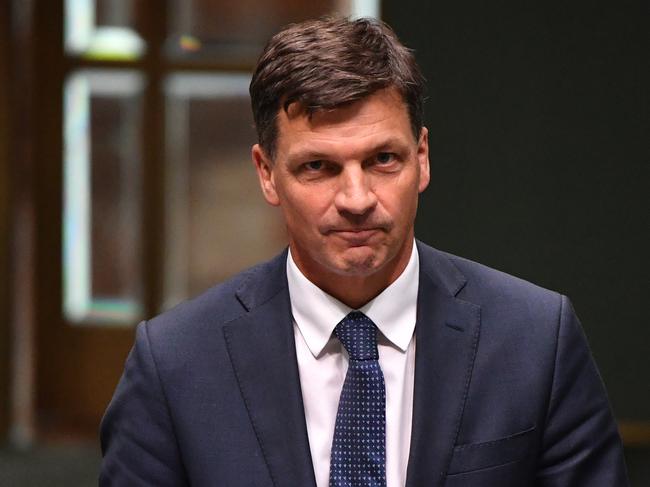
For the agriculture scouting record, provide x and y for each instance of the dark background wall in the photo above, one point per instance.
(539, 134)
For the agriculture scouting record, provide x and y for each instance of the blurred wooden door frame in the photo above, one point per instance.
(4, 218)
(20, 217)
(51, 391)
(78, 366)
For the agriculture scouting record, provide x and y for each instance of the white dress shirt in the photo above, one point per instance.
(323, 363)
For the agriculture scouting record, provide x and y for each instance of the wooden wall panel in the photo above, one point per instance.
(4, 219)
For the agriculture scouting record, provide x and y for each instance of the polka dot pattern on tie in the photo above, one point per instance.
(358, 456)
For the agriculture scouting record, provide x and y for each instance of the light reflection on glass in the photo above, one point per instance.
(76, 246)
(87, 36)
(364, 8)
(101, 221)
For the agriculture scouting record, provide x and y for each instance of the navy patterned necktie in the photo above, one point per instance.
(359, 448)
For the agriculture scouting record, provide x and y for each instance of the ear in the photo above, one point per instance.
(423, 159)
(264, 167)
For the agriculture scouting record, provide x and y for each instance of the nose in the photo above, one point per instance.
(355, 195)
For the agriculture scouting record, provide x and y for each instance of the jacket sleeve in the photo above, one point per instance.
(138, 443)
(581, 444)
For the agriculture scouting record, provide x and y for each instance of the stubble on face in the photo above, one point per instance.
(356, 241)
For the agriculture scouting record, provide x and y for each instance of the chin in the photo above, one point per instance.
(358, 263)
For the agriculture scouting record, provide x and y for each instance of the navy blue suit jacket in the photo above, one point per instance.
(506, 391)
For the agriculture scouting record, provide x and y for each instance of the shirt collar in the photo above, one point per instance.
(316, 313)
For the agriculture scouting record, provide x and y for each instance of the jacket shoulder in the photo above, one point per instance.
(221, 303)
(503, 298)
(484, 283)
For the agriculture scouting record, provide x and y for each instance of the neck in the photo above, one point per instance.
(355, 290)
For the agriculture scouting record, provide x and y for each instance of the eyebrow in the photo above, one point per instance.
(391, 144)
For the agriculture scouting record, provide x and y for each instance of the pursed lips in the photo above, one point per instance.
(355, 236)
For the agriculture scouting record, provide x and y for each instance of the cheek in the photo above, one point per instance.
(305, 207)
(400, 200)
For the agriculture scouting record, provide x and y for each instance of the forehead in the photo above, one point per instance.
(380, 118)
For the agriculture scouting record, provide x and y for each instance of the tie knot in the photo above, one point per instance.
(358, 334)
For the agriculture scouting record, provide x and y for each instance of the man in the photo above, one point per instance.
(358, 356)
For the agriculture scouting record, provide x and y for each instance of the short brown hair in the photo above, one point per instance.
(328, 63)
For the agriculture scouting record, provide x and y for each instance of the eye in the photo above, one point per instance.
(314, 165)
(385, 157)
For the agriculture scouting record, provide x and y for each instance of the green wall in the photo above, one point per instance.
(540, 147)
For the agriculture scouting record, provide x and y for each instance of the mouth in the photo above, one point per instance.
(356, 236)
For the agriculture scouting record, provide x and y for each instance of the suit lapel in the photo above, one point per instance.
(262, 351)
(263, 355)
(447, 332)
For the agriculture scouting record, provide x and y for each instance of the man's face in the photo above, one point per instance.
(347, 181)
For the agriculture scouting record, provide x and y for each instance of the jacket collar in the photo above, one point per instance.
(447, 332)
(263, 355)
